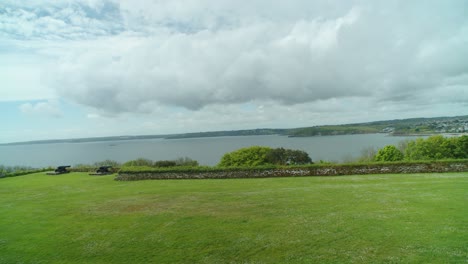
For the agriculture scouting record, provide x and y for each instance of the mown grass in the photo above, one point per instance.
(76, 218)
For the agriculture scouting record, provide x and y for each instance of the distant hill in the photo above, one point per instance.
(248, 132)
(412, 126)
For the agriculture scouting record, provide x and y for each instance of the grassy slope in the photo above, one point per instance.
(77, 218)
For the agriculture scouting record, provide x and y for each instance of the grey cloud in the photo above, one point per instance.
(388, 52)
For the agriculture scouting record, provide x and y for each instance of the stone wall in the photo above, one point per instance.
(301, 172)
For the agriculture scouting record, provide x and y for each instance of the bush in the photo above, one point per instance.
(165, 163)
(297, 157)
(113, 163)
(259, 156)
(139, 162)
(460, 150)
(389, 153)
(250, 156)
(281, 156)
(12, 171)
(432, 148)
(188, 162)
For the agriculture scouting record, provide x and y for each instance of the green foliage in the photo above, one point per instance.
(164, 163)
(277, 156)
(403, 145)
(296, 157)
(186, 162)
(189, 169)
(460, 151)
(139, 162)
(253, 171)
(12, 171)
(250, 156)
(147, 173)
(432, 148)
(113, 163)
(82, 168)
(389, 153)
(335, 130)
(258, 156)
(437, 147)
(180, 162)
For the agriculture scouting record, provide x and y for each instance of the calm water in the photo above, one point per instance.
(207, 151)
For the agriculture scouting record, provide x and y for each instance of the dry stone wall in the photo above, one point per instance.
(301, 172)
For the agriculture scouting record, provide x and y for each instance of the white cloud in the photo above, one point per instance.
(311, 60)
(358, 51)
(260, 61)
(42, 109)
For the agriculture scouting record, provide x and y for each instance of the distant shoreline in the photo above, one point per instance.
(401, 127)
(111, 139)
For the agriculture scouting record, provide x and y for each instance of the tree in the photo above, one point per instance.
(432, 148)
(256, 156)
(389, 153)
(297, 157)
(277, 156)
(250, 156)
(461, 147)
(281, 156)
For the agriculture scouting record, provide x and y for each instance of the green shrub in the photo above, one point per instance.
(186, 162)
(141, 162)
(258, 156)
(389, 153)
(437, 147)
(164, 163)
(297, 157)
(138, 162)
(12, 171)
(250, 156)
(281, 156)
(112, 163)
(460, 150)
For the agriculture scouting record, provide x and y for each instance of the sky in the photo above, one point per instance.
(84, 68)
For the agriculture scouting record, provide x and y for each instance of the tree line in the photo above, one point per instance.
(432, 148)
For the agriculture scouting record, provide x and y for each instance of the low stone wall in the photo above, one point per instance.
(301, 172)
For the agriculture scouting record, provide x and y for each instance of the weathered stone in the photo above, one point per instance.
(301, 172)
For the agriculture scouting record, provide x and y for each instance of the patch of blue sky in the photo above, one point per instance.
(11, 114)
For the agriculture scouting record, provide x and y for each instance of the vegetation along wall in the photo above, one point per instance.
(300, 171)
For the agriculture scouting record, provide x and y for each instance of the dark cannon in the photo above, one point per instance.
(60, 170)
(103, 170)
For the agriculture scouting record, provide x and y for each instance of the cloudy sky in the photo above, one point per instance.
(79, 68)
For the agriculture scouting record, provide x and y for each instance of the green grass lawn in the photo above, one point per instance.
(76, 218)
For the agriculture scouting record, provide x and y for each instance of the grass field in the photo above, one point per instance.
(76, 218)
